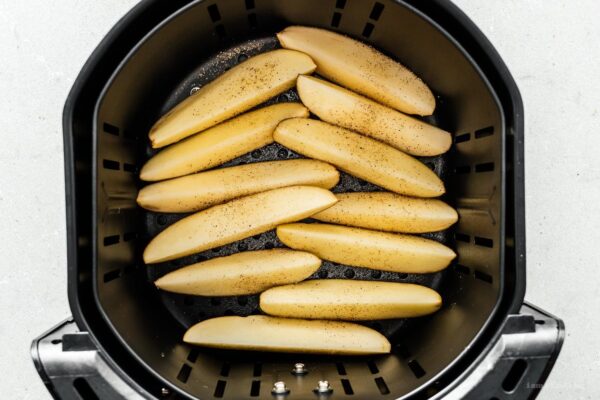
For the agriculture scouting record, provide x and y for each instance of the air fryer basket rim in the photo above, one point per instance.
(75, 298)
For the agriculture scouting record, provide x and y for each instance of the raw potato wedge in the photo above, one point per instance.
(264, 333)
(244, 273)
(361, 68)
(199, 191)
(370, 249)
(242, 87)
(390, 212)
(360, 156)
(236, 220)
(350, 300)
(221, 143)
(344, 108)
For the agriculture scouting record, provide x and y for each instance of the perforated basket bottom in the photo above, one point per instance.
(189, 310)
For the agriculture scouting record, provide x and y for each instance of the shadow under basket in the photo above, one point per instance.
(157, 56)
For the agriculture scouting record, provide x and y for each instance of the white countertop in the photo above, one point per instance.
(552, 48)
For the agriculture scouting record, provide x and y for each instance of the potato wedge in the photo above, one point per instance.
(360, 156)
(199, 191)
(244, 273)
(370, 249)
(237, 90)
(236, 220)
(221, 143)
(344, 108)
(361, 68)
(350, 300)
(383, 211)
(264, 333)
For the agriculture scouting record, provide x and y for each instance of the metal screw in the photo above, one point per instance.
(194, 90)
(279, 388)
(164, 391)
(323, 387)
(299, 369)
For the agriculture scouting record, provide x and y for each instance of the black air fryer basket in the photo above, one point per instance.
(124, 340)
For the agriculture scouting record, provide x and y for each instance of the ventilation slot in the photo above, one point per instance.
(416, 369)
(84, 390)
(111, 129)
(184, 373)
(482, 276)
(129, 236)
(381, 385)
(225, 369)
(110, 240)
(112, 275)
(465, 137)
(463, 169)
(481, 133)
(340, 368)
(484, 242)
(347, 387)
(514, 375)
(540, 322)
(257, 370)
(376, 11)
(373, 367)
(250, 5)
(110, 164)
(129, 167)
(368, 30)
(220, 389)
(340, 4)
(485, 167)
(193, 356)
(462, 237)
(214, 13)
(335, 20)
(255, 389)
(461, 269)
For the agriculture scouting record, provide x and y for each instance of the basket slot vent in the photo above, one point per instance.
(462, 237)
(193, 356)
(110, 129)
(373, 367)
(220, 389)
(225, 369)
(484, 132)
(347, 387)
(255, 389)
(461, 269)
(382, 386)
(184, 373)
(250, 5)
(340, 368)
(376, 11)
(514, 375)
(368, 30)
(484, 167)
(484, 242)
(111, 240)
(464, 137)
(482, 276)
(257, 370)
(213, 12)
(416, 369)
(112, 275)
(335, 20)
(111, 164)
(84, 390)
(340, 4)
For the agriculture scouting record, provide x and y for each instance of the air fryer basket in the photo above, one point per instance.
(191, 48)
(125, 338)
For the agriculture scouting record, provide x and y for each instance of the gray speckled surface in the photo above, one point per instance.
(551, 47)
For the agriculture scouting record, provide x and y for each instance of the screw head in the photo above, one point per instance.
(323, 387)
(299, 369)
(279, 388)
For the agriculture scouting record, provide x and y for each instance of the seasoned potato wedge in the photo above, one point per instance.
(205, 189)
(365, 248)
(361, 156)
(391, 212)
(236, 220)
(361, 68)
(344, 108)
(264, 333)
(237, 90)
(350, 300)
(221, 143)
(244, 273)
